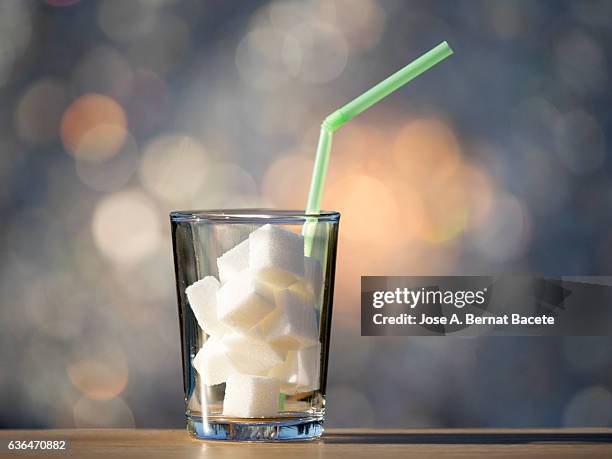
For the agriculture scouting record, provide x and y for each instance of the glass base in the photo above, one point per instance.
(264, 430)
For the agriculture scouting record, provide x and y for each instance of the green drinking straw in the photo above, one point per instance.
(349, 111)
(346, 113)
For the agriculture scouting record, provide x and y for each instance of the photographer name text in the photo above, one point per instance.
(468, 319)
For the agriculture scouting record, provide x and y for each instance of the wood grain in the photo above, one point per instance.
(336, 443)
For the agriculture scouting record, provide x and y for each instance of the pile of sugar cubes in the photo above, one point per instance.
(261, 320)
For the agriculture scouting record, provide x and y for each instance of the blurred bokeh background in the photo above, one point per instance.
(498, 160)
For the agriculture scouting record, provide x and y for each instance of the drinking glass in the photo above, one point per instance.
(199, 239)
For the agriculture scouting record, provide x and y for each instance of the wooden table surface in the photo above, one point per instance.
(342, 443)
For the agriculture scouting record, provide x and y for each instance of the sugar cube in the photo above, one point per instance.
(287, 373)
(266, 284)
(309, 286)
(251, 355)
(308, 363)
(277, 254)
(202, 296)
(304, 290)
(212, 363)
(293, 324)
(233, 261)
(248, 396)
(240, 302)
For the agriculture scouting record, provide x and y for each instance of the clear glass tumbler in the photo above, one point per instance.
(255, 305)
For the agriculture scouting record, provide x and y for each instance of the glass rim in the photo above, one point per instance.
(253, 215)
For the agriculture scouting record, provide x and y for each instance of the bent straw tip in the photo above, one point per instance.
(445, 47)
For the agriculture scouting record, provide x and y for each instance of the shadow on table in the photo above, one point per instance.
(467, 438)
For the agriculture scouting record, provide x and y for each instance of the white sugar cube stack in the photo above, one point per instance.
(262, 322)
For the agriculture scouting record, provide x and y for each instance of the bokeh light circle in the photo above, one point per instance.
(126, 227)
(94, 127)
(581, 142)
(102, 413)
(287, 180)
(161, 48)
(368, 206)
(39, 111)
(174, 167)
(426, 152)
(15, 35)
(506, 234)
(104, 70)
(260, 58)
(100, 377)
(112, 174)
(362, 27)
(587, 353)
(591, 407)
(126, 21)
(581, 62)
(315, 52)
